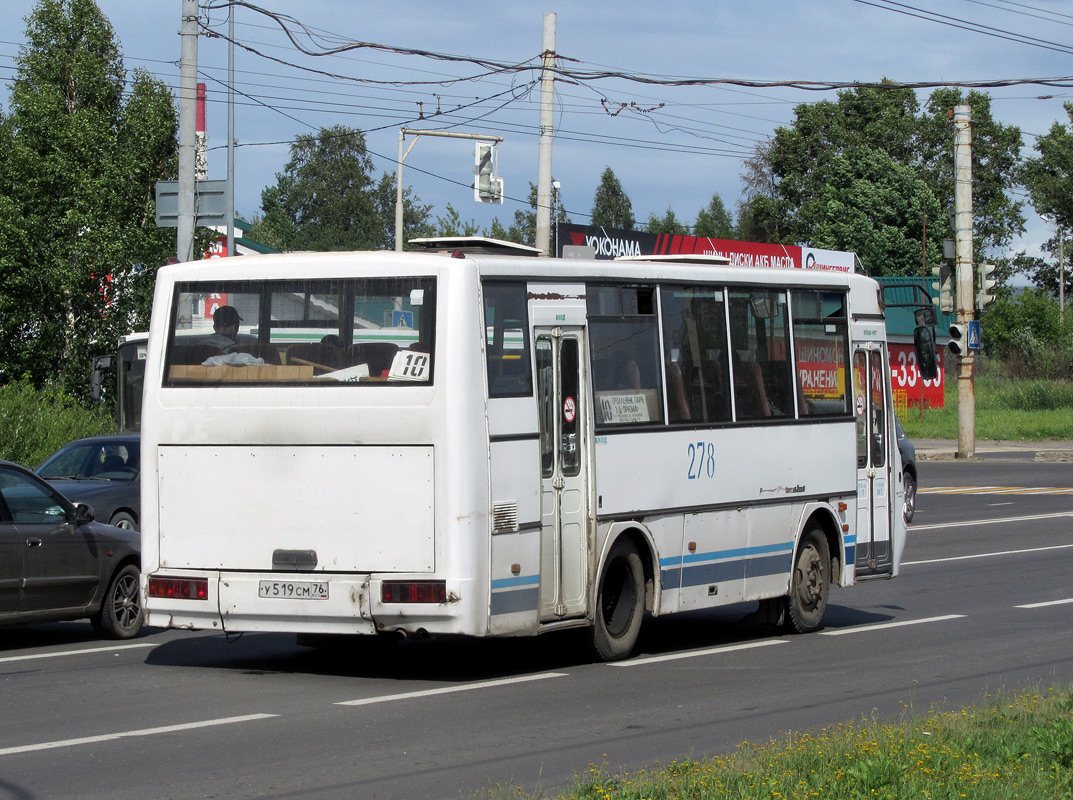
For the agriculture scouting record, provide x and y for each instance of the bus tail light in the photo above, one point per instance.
(413, 592)
(179, 588)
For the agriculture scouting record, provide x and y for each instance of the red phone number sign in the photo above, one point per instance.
(905, 377)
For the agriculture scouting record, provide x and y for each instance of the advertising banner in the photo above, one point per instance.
(610, 243)
(905, 377)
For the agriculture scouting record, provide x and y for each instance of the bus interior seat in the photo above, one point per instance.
(749, 391)
(628, 374)
(266, 352)
(193, 353)
(323, 355)
(679, 403)
(378, 355)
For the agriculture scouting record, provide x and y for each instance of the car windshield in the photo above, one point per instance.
(112, 461)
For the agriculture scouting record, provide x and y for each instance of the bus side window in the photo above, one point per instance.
(623, 334)
(507, 339)
(695, 346)
(760, 337)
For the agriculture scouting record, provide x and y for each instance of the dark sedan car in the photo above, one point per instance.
(56, 563)
(909, 472)
(102, 472)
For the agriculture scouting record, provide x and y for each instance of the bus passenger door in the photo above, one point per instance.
(564, 478)
(874, 551)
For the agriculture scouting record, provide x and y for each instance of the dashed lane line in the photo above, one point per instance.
(992, 521)
(1059, 490)
(465, 687)
(885, 625)
(84, 651)
(973, 556)
(709, 651)
(108, 737)
(1048, 603)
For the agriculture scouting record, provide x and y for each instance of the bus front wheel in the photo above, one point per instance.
(811, 583)
(620, 603)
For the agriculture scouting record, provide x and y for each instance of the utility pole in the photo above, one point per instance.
(184, 237)
(964, 275)
(547, 133)
(231, 131)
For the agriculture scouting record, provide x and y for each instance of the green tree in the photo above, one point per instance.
(523, 230)
(415, 216)
(1048, 178)
(714, 221)
(791, 179)
(452, 224)
(668, 223)
(326, 198)
(874, 207)
(80, 152)
(611, 207)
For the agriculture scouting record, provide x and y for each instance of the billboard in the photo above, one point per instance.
(610, 243)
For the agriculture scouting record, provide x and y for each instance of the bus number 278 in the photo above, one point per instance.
(701, 460)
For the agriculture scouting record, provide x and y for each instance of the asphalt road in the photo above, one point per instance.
(983, 604)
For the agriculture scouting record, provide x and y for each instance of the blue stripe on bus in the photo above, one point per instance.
(738, 553)
(516, 600)
(522, 580)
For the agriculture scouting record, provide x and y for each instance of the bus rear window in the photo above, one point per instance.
(317, 332)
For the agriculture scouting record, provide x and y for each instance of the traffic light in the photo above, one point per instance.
(959, 339)
(943, 286)
(487, 188)
(984, 298)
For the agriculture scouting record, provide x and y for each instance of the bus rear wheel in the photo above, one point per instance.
(620, 603)
(811, 583)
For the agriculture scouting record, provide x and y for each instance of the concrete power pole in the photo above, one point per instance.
(547, 132)
(964, 295)
(184, 238)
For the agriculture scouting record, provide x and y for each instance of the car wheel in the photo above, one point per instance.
(121, 519)
(121, 615)
(910, 505)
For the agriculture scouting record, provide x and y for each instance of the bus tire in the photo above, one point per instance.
(620, 603)
(810, 585)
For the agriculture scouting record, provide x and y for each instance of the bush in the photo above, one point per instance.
(1029, 336)
(34, 423)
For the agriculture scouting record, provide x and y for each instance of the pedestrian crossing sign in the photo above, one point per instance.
(974, 334)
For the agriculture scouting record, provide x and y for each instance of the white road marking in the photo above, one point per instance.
(987, 555)
(996, 521)
(465, 687)
(81, 652)
(885, 625)
(1049, 603)
(107, 737)
(637, 662)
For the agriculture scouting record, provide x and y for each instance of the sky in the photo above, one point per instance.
(672, 147)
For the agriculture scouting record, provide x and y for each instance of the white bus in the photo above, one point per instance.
(490, 445)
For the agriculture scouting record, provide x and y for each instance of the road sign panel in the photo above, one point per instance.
(974, 334)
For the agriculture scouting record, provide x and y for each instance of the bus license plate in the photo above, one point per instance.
(294, 590)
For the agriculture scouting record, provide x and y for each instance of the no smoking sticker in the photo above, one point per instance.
(569, 409)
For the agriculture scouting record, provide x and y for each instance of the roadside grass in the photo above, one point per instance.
(1015, 746)
(1006, 408)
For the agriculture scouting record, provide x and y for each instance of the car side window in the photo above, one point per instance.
(28, 501)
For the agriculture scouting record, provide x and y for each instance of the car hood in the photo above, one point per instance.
(85, 490)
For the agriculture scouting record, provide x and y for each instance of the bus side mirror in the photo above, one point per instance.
(99, 363)
(927, 360)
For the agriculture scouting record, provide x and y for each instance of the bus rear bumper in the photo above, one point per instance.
(301, 603)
